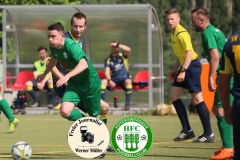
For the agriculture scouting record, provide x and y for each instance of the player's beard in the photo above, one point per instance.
(198, 29)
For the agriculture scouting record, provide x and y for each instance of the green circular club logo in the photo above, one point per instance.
(131, 137)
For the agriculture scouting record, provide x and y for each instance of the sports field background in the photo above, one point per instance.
(47, 135)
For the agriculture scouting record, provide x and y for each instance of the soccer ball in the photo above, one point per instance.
(119, 137)
(21, 151)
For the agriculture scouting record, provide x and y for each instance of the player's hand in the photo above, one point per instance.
(228, 114)
(181, 77)
(211, 84)
(172, 74)
(62, 81)
(40, 78)
(113, 44)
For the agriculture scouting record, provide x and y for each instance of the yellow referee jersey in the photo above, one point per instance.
(181, 43)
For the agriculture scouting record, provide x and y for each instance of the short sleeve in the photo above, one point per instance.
(185, 40)
(76, 52)
(209, 40)
(107, 62)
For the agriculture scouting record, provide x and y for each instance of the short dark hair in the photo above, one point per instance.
(56, 26)
(201, 11)
(42, 48)
(171, 11)
(79, 15)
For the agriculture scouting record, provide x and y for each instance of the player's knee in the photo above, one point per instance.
(29, 85)
(128, 82)
(65, 112)
(104, 82)
(104, 107)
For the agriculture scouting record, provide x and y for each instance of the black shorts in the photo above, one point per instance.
(192, 80)
(34, 82)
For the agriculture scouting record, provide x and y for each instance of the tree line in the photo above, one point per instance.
(223, 14)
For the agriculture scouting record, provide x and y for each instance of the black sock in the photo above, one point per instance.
(204, 117)
(182, 114)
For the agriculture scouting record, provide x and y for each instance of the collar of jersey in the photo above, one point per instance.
(73, 36)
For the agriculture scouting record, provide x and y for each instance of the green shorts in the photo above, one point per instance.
(91, 101)
(217, 101)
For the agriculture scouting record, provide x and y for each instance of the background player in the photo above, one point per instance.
(230, 65)
(213, 41)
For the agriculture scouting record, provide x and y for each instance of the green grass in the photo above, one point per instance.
(47, 134)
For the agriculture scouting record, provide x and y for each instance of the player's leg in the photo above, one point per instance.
(104, 89)
(31, 86)
(186, 132)
(6, 109)
(128, 92)
(104, 111)
(69, 101)
(225, 131)
(236, 128)
(50, 93)
(193, 76)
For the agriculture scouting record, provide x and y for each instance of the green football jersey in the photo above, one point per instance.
(69, 56)
(212, 38)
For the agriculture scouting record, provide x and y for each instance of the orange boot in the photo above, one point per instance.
(217, 152)
(225, 153)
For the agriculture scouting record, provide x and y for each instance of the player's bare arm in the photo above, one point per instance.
(81, 66)
(107, 73)
(108, 77)
(214, 62)
(52, 62)
(185, 65)
(123, 47)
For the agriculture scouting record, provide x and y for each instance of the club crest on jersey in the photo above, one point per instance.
(119, 60)
(65, 55)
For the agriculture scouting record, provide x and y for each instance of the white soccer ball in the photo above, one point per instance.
(161, 109)
(21, 151)
(172, 110)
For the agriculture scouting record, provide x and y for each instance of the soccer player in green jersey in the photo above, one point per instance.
(213, 41)
(83, 81)
(6, 109)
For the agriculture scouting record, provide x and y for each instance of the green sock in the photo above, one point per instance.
(6, 109)
(75, 115)
(226, 132)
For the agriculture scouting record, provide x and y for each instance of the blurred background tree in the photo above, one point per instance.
(224, 15)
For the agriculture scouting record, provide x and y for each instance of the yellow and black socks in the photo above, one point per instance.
(128, 92)
(226, 132)
(104, 118)
(32, 93)
(50, 94)
(104, 93)
(6, 109)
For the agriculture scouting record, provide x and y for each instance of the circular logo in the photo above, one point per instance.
(88, 137)
(131, 137)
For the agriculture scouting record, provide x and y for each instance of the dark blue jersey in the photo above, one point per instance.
(230, 63)
(118, 66)
(59, 65)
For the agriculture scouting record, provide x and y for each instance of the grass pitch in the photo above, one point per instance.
(47, 135)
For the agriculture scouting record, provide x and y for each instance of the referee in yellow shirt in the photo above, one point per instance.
(186, 73)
